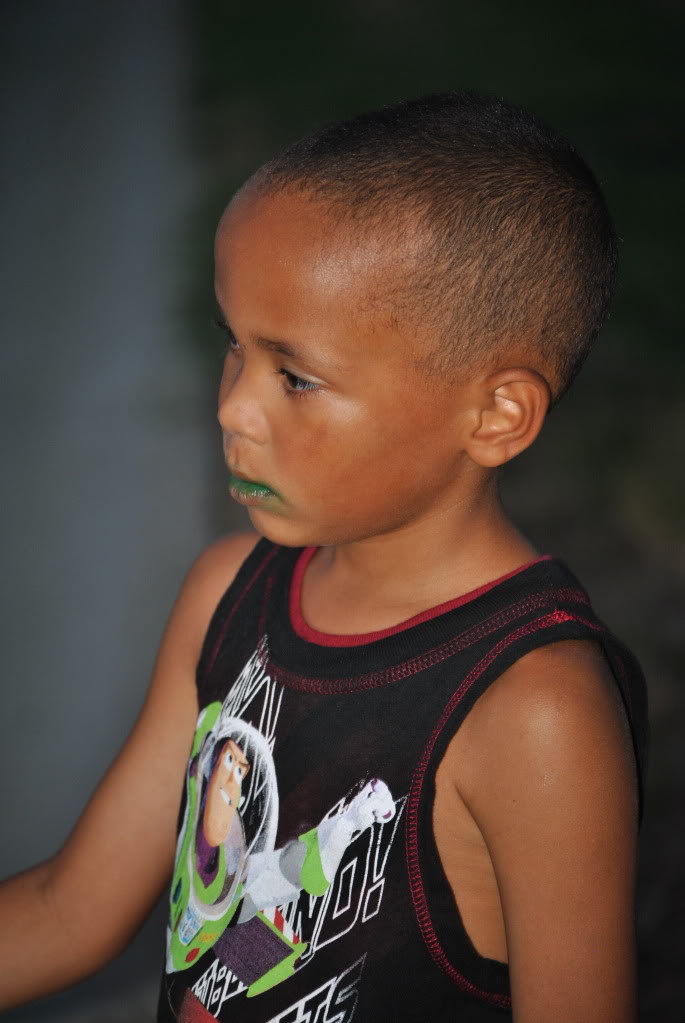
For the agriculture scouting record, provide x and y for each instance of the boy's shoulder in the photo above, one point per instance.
(226, 554)
(207, 580)
(553, 726)
(552, 679)
(218, 564)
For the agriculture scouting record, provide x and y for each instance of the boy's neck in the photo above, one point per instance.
(398, 574)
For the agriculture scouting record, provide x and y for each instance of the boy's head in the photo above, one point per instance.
(405, 293)
(504, 244)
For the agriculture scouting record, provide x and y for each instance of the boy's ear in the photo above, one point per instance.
(513, 405)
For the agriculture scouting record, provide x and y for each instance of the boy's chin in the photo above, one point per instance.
(282, 531)
(289, 531)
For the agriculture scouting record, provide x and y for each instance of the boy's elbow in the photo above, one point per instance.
(88, 931)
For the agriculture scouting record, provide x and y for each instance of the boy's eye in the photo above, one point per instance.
(296, 385)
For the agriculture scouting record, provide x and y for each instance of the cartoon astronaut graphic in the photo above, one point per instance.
(227, 890)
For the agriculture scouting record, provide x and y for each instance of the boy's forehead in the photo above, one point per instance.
(317, 228)
(290, 243)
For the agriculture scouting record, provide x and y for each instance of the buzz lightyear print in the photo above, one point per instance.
(230, 883)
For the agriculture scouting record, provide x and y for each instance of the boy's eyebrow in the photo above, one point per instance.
(282, 347)
(315, 360)
(286, 349)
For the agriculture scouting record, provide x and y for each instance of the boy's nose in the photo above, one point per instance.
(240, 410)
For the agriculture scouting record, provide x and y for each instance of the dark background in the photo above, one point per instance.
(126, 127)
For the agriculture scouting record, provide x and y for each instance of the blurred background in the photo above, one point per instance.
(126, 127)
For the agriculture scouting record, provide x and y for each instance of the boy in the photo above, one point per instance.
(415, 779)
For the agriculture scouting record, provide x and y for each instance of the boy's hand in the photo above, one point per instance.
(545, 766)
(84, 905)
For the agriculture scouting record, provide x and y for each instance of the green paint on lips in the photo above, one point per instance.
(251, 488)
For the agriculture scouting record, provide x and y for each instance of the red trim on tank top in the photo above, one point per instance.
(305, 631)
(416, 885)
(413, 665)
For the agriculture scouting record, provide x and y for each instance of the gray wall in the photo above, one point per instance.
(106, 416)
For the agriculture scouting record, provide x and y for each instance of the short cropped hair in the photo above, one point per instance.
(519, 251)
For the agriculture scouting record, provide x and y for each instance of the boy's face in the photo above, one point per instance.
(352, 438)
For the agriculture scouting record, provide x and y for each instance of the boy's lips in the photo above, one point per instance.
(248, 491)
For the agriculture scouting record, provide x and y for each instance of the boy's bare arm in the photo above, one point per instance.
(83, 905)
(546, 768)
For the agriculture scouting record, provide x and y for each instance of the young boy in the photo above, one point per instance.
(415, 780)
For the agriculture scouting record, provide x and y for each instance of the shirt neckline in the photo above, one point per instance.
(311, 635)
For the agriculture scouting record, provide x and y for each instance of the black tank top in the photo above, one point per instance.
(308, 887)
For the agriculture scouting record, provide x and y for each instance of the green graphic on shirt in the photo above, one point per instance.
(232, 891)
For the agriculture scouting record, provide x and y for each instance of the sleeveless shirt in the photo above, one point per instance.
(308, 887)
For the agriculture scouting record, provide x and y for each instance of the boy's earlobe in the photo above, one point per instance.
(513, 409)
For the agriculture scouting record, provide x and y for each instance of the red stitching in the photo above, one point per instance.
(418, 893)
(236, 605)
(617, 661)
(350, 683)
